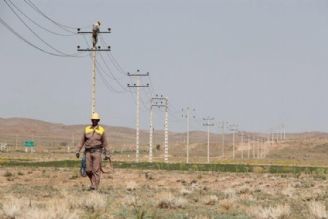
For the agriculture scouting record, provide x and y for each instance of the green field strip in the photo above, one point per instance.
(234, 168)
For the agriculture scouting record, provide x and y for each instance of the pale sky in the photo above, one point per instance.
(257, 63)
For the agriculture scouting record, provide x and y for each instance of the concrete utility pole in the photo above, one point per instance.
(208, 125)
(284, 131)
(138, 86)
(186, 115)
(95, 31)
(258, 140)
(160, 102)
(223, 124)
(233, 128)
(249, 148)
(253, 146)
(281, 132)
(16, 142)
(151, 129)
(242, 145)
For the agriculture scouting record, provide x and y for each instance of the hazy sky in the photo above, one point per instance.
(257, 63)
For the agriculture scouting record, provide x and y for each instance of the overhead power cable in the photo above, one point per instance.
(111, 73)
(26, 41)
(62, 26)
(37, 24)
(37, 36)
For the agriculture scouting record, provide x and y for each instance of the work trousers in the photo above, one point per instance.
(93, 168)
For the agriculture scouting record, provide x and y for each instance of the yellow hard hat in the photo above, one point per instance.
(95, 116)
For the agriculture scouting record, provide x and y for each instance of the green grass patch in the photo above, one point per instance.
(235, 168)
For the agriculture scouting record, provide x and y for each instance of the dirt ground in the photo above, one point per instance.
(62, 193)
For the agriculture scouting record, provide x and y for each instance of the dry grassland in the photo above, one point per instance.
(62, 193)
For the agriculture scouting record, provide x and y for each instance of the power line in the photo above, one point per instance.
(37, 24)
(26, 41)
(36, 35)
(62, 26)
(111, 73)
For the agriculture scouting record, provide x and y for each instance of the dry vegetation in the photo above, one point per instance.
(53, 192)
(61, 193)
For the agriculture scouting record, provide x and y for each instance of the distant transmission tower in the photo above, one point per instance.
(137, 85)
(95, 31)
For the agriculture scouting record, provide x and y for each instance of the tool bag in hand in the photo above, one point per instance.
(83, 169)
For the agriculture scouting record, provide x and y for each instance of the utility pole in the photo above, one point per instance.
(137, 85)
(253, 146)
(151, 129)
(233, 128)
(223, 124)
(281, 132)
(258, 140)
(208, 124)
(186, 115)
(242, 145)
(95, 31)
(249, 148)
(160, 102)
(16, 142)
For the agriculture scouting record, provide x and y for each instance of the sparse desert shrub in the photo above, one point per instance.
(167, 200)
(24, 209)
(11, 208)
(185, 191)
(8, 174)
(131, 185)
(93, 202)
(288, 191)
(243, 190)
(149, 175)
(258, 170)
(277, 212)
(226, 204)
(229, 193)
(130, 200)
(201, 217)
(55, 209)
(317, 210)
(210, 200)
(75, 175)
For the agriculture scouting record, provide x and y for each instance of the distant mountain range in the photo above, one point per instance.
(302, 145)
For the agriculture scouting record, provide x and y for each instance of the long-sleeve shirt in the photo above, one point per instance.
(94, 137)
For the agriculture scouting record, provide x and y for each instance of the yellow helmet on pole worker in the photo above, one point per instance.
(95, 116)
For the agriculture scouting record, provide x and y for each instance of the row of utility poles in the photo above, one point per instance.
(159, 101)
(256, 144)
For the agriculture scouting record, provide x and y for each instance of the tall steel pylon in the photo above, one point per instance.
(95, 31)
(137, 85)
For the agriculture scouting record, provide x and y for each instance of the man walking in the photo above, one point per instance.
(95, 143)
